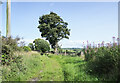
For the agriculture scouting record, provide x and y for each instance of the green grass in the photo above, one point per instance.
(49, 68)
(32, 64)
(74, 68)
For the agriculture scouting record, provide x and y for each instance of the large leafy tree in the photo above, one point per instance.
(53, 28)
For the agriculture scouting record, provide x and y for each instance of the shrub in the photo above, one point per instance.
(41, 45)
(105, 64)
(12, 71)
(13, 43)
(31, 46)
(27, 48)
(9, 45)
(12, 64)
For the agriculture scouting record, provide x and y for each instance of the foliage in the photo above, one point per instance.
(89, 53)
(53, 28)
(11, 71)
(13, 43)
(59, 49)
(104, 63)
(27, 48)
(41, 45)
(9, 45)
(12, 63)
(31, 46)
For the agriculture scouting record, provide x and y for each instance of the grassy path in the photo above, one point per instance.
(48, 68)
(50, 71)
(62, 68)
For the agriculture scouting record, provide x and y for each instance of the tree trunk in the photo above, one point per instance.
(65, 53)
(56, 50)
(8, 19)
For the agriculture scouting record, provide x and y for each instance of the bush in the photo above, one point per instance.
(41, 45)
(27, 48)
(12, 71)
(31, 46)
(105, 64)
(9, 45)
(12, 64)
(13, 43)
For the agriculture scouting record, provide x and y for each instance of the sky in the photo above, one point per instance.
(92, 21)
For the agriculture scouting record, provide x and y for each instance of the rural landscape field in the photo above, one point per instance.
(57, 41)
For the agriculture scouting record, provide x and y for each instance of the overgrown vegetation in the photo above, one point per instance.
(103, 62)
(48, 68)
(9, 46)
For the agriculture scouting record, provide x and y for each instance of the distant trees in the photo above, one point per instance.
(31, 46)
(27, 48)
(39, 45)
(53, 28)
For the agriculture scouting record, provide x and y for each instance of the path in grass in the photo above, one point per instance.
(62, 68)
(50, 71)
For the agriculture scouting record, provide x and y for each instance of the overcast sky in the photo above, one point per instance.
(92, 21)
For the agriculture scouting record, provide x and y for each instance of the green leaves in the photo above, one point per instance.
(41, 45)
(103, 63)
(53, 28)
(27, 48)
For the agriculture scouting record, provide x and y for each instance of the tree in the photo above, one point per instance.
(53, 28)
(31, 46)
(41, 45)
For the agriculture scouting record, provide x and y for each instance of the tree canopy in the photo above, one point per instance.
(53, 28)
(41, 45)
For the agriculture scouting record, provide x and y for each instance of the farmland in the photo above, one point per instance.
(88, 54)
(51, 67)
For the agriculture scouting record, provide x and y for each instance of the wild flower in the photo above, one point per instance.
(87, 44)
(99, 45)
(118, 41)
(102, 44)
(113, 39)
(83, 45)
(93, 45)
(90, 45)
(110, 44)
(107, 44)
